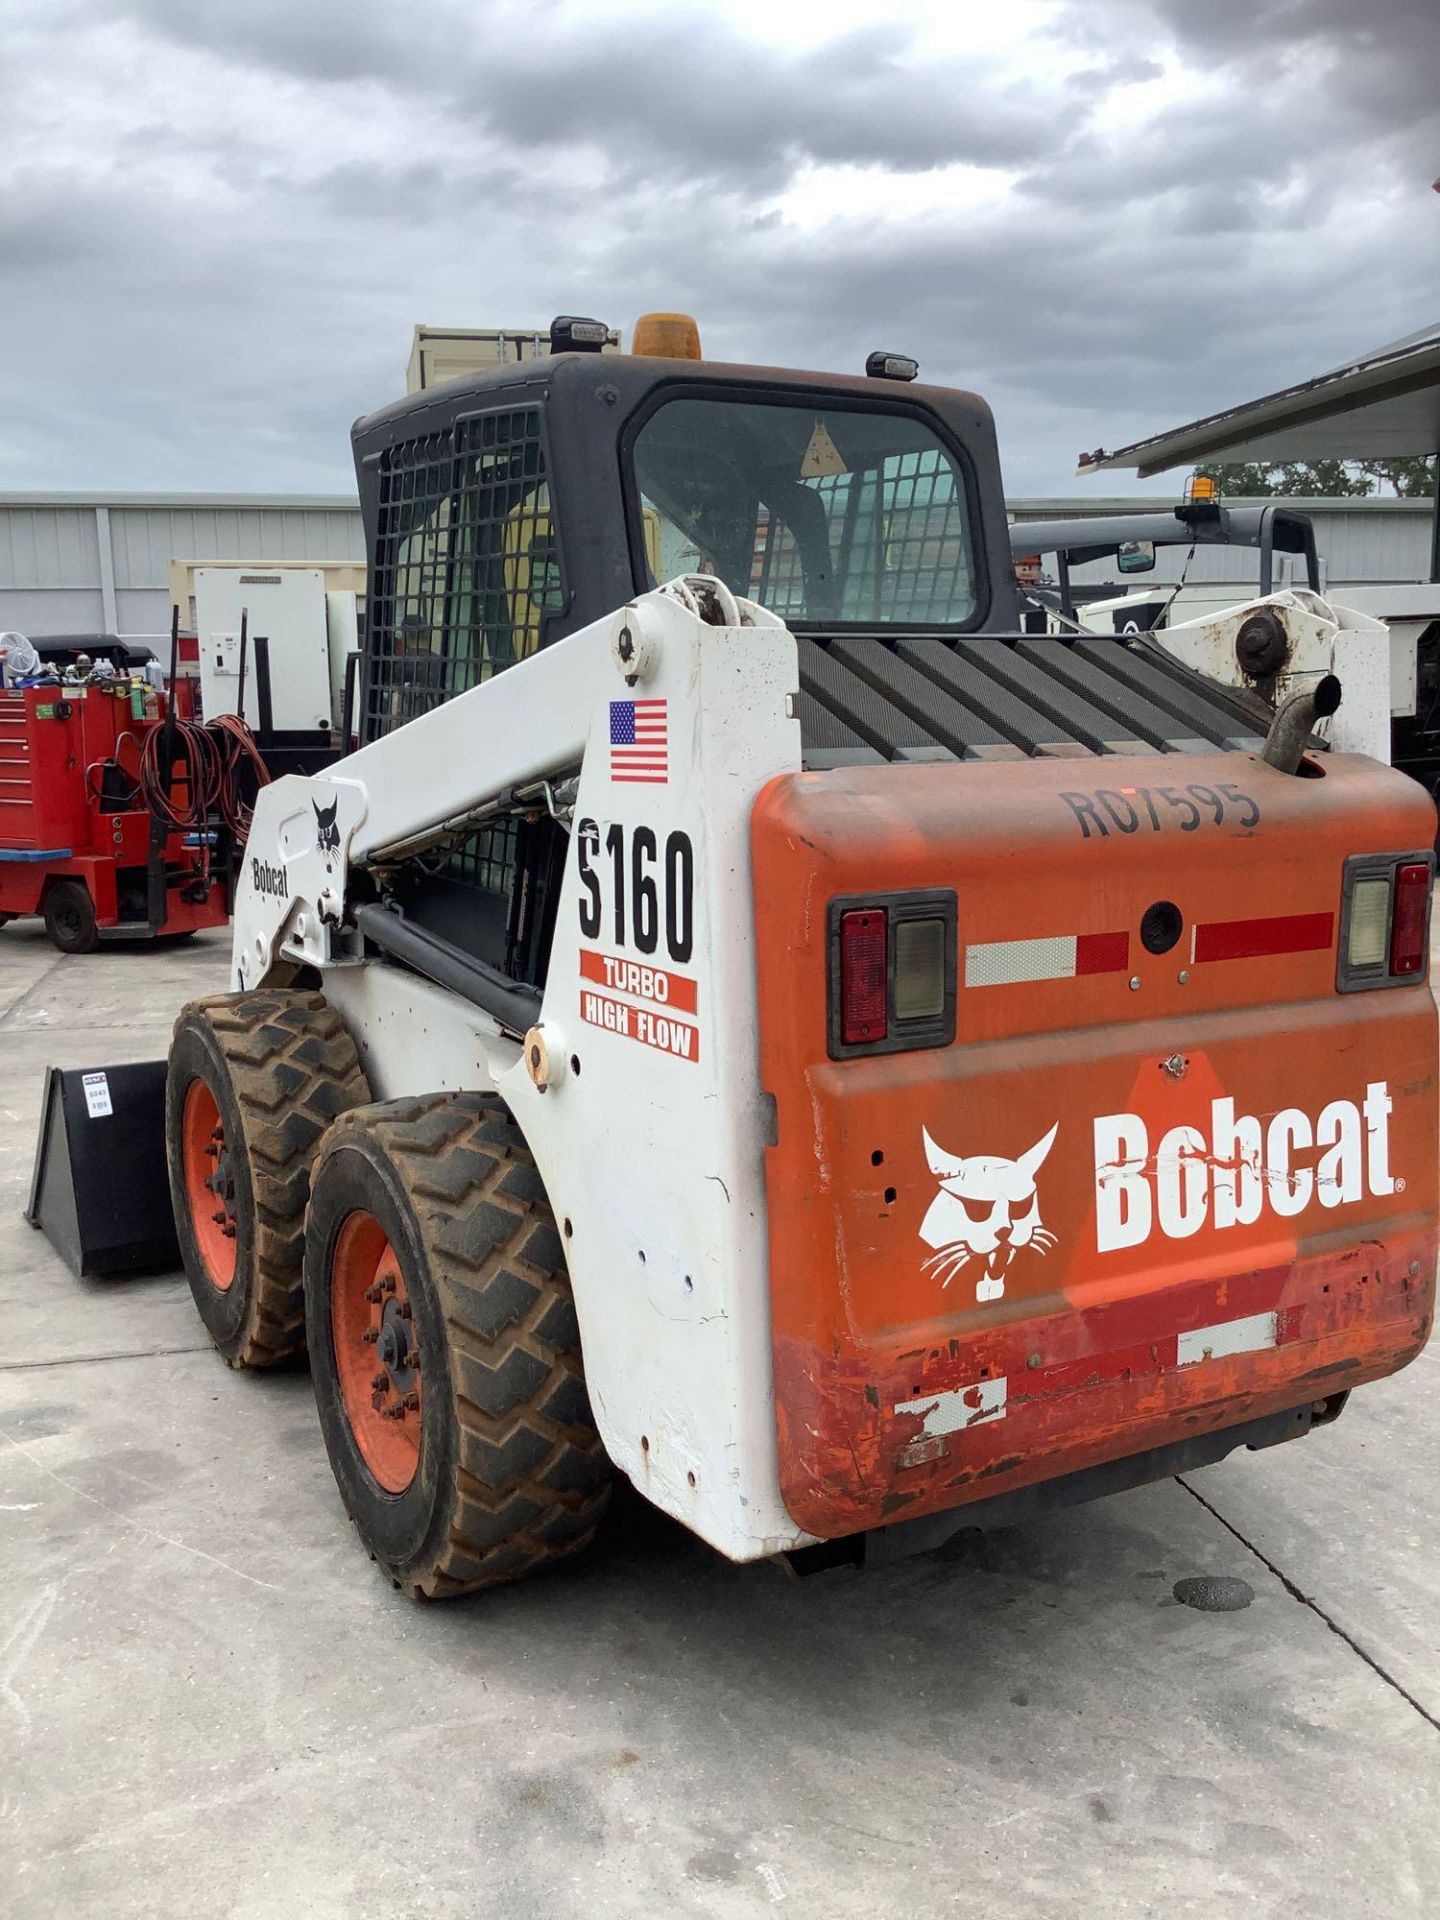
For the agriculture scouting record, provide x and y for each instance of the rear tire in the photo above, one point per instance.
(69, 914)
(254, 1081)
(432, 1265)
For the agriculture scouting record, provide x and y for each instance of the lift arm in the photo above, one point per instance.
(445, 772)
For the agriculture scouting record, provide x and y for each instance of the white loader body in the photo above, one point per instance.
(638, 1092)
(1322, 637)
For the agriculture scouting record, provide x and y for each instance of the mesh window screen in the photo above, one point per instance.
(465, 566)
(465, 569)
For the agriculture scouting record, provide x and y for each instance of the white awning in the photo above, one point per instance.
(1385, 406)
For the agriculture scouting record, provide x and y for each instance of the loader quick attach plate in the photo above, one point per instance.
(1164, 1180)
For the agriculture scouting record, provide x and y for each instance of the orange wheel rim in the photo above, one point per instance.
(209, 1184)
(377, 1356)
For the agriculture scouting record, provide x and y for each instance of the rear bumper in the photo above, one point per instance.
(880, 1436)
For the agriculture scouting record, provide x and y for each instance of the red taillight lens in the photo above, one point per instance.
(1407, 919)
(864, 941)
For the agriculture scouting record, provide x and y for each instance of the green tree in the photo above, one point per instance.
(1410, 479)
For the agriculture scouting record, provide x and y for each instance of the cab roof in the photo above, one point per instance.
(633, 377)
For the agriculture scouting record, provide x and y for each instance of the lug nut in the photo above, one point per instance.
(388, 1283)
(402, 1307)
(411, 1403)
(373, 1294)
(370, 1336)
(380, 1381)
(219, 1218)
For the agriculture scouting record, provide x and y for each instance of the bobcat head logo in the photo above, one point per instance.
(986, 1208)
(327, 834)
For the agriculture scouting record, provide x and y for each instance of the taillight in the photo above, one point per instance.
(1408, 920)
(892, 972)
(1367, 939)
(1384, 920)
(864, 975)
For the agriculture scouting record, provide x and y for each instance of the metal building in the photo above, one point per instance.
(103, 563)
(109, 563)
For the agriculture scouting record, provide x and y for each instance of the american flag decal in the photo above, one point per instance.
(639, 741)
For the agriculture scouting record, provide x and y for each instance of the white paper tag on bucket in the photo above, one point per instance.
(97, 1095)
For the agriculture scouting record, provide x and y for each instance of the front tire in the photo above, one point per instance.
(444, 1347)
(69, 915)
(254, 1081)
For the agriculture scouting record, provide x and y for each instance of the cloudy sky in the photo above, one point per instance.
(220, 219)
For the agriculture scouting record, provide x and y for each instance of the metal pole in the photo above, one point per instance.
(244, 645)
(105, 547)
(157, 907)
(1267, 551)
(1435, 523)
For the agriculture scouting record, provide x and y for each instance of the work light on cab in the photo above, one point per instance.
(891, 366)
(571, 333)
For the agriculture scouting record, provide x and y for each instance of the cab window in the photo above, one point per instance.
(826, 515)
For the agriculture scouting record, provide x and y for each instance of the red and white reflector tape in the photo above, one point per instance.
(956, 1408)
(1006, 963)
(1259, 939)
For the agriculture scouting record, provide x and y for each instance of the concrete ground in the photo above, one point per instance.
(211, 1706)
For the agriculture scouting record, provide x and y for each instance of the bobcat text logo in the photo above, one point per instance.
(327, 834)
(986, 1207)
(267, 879)
(1244, 1165)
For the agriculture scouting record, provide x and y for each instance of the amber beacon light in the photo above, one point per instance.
(666, 336)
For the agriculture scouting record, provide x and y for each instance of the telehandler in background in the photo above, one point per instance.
(749, 1018)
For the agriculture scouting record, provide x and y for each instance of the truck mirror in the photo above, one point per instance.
(1135, 556)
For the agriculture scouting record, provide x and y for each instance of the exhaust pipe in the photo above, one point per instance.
(1294, 722)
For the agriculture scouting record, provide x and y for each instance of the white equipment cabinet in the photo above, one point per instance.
(287, 610)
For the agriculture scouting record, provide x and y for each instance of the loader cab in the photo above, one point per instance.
(511, 508)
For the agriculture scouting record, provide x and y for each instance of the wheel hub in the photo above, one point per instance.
(210, 1191)
(377, 1356)
(396, 1349)
(221, 1182)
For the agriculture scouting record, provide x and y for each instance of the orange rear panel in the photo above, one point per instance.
(1141, 1195)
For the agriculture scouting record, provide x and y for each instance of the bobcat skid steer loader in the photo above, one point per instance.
(750, 1020)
